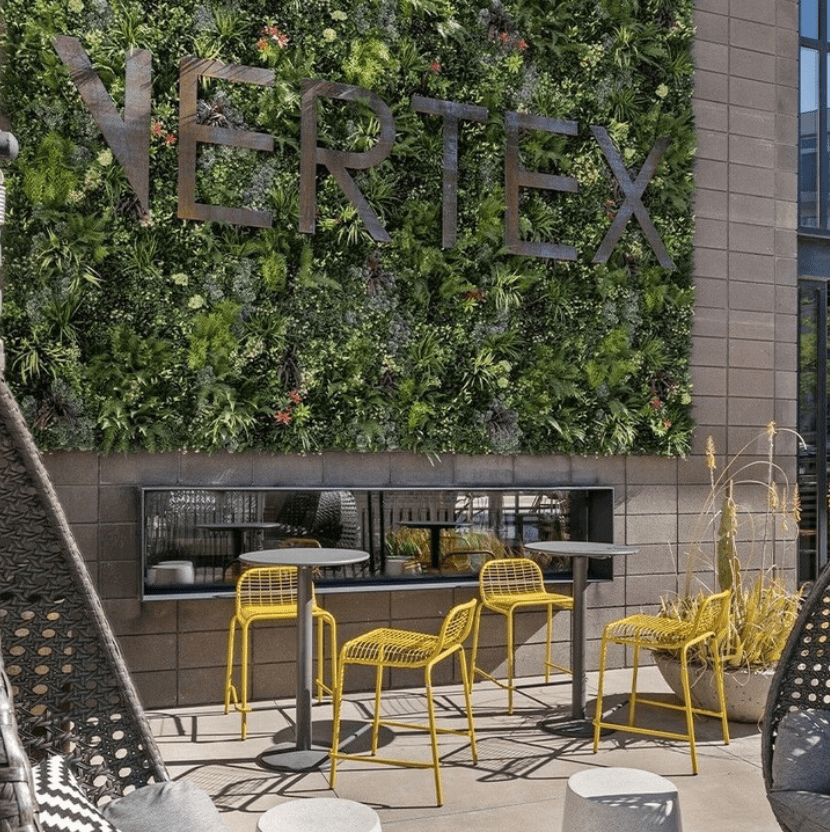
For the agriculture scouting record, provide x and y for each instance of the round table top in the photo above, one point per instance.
(581, 548)
(304, 556)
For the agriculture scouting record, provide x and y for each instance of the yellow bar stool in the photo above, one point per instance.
(507, 585)
(654, 632)
(385, 648)
(269, 593)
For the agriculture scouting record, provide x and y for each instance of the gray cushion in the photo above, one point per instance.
(801, 760)
(801, 811)
(165, 807)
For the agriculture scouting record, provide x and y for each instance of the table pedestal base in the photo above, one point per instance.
(577, 728)
(287, 757)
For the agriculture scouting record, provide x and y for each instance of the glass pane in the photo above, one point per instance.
(193, 537)
(809, 18)
(807, 422)
(808, 168)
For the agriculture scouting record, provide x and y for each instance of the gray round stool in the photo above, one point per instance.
(320, 814)
(620, 800)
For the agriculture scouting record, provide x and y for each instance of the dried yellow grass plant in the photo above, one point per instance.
(739, 541)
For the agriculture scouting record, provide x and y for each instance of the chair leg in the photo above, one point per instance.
(433, 735)
(321, 661)
(635, 673)
(229, 670)
(320, 679)
(548, 640)
(721, 692)
(376, 720)
(467, 681)
(243, 680)
(333, 643)
(687, 701)
(474, 652)
(337, 696)
(600, 684)
(510, 661)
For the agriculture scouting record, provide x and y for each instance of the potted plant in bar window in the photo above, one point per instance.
(404, 550)
(750, 515)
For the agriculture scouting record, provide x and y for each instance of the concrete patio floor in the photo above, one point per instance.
(519, 782)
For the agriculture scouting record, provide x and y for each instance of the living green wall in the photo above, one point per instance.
(129, 330)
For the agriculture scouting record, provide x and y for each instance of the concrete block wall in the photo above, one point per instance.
(746, 107)
(744, 372)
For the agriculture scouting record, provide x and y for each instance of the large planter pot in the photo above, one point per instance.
(745, 689)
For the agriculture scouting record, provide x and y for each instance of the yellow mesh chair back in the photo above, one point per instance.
(505, 586)
(386, 647)
(708, 630)
(269, 593)
(509, 577)
(267, 590)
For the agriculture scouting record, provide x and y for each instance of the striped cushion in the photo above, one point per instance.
(62, 804)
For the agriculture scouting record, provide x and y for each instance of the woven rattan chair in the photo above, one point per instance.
(269, 593)
(653, 632)
(73, 694)
(392, 648)
(18, 812)
(505, 586)
(801, 686)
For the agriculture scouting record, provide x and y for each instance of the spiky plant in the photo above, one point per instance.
(762, 608)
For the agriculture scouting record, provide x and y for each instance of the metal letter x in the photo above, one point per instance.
(632, 204)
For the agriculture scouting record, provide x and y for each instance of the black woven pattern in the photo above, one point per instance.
(72, 692)
(17, 799)
(802, 679)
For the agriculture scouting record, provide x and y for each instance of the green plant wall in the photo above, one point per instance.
(127, 331)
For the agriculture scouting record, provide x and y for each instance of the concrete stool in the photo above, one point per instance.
(320, 814)
(620, 800)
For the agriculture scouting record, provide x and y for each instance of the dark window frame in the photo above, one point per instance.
(592, 518)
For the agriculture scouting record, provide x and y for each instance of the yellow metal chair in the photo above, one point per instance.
(385, 648)
(507, 585)
(653, 632)
(269, 593)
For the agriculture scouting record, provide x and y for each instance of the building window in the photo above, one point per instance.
(813, 169)
(814, 453)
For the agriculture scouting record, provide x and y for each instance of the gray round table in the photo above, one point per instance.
(579, 551)
(301, 756)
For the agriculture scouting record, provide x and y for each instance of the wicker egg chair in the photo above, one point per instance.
(795, 742)
(72, 691)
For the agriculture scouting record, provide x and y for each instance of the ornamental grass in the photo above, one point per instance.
(751, 514)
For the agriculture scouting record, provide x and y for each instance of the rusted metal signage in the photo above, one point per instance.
(129, 139)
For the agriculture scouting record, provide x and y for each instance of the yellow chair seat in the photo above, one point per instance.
(642, 628)
(386, 647)
(505, 586)
(655, 633)
(394, 648)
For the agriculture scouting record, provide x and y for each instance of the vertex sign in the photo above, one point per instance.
(129, 139)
